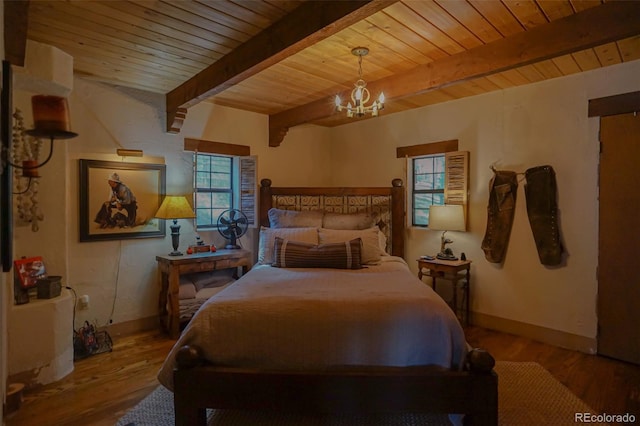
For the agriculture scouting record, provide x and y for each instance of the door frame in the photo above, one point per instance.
(606, 106)
(613, 105)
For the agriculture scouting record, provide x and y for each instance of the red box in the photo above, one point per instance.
(29, 271)
(200, 248)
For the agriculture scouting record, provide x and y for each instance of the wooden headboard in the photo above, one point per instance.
(387, 202)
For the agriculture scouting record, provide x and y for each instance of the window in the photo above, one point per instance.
(437, 179)
(222, 183)
(428, 186)
(213, 187)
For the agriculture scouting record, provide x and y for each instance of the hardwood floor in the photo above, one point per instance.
(102, 388)
(606, 385)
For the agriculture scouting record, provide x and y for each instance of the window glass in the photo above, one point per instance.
(428, 186)
(213, 188)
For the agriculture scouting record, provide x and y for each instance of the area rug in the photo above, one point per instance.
(528, 395)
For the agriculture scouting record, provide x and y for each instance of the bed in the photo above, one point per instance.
(299, 332)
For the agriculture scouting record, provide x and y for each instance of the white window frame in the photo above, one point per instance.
(456, 190)
(436, 198)
(243, 188)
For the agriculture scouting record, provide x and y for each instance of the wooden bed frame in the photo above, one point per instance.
(199, 385)
(386, 200)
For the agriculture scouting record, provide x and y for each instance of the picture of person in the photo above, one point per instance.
(120, 210)
(135, 193)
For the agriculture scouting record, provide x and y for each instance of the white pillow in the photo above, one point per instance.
(216, 278)
(361, 220)
(371, 252)
(268, 239)
(279, 218)
(382, 242)
(187, 291)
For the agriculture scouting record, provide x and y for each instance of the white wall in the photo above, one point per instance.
(543, 123)
(107, 118)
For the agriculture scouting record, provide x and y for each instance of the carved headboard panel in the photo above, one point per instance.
(387, 203)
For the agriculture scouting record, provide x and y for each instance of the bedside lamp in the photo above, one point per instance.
(175, 207)
(449, 217)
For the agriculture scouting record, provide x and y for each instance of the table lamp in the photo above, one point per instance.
(175, 207)
(449, 217)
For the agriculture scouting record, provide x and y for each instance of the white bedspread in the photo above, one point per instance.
(276, 318)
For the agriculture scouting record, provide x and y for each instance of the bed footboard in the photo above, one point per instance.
(474, 392)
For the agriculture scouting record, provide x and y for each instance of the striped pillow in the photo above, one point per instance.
(371, 252)
(268, 235)
(294, 254)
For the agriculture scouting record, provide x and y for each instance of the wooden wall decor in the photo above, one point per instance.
(6, 182)
(613, 105)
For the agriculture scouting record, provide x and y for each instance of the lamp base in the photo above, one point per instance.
(445, 253)
(446, 256)
(175, 238)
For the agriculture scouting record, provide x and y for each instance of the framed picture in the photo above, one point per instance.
(29, 271)
(119, 200)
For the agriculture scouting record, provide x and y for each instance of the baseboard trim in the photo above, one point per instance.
(139, 325)
(541, 334)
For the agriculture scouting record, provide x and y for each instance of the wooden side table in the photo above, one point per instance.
(171, 267)
(451, 270)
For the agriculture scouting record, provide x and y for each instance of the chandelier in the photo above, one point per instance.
(360, 95)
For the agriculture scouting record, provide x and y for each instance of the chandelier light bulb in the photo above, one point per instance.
(360, 95)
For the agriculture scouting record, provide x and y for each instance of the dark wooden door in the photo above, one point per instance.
(619, 238)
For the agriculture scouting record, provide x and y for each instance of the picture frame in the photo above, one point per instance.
(29, 270)
(106, 189)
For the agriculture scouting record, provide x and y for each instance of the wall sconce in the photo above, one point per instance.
(449, 217)
(51, 120)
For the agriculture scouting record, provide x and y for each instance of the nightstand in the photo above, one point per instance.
(454, 271)
(171, 267)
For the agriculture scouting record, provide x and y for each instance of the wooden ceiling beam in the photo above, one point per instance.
(595, 26)
(16, 18)
(308, 24)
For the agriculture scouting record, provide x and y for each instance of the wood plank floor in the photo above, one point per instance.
(606, 385)
(102, 388)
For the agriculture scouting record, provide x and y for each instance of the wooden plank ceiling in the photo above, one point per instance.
(421, 52)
